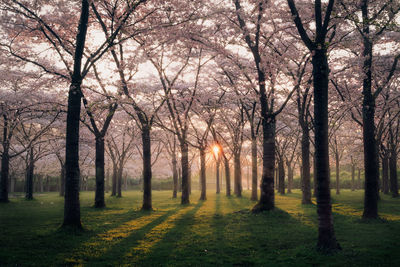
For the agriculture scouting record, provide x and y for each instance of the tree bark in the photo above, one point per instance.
(281, 177)
(29, 176)
(185, 177)
(267, 196)
(305, 166)
(147, 203)
(227, 176)
(315, 175)
(203, 174)
(72, 214)
(237, 169)
(326, 234)
(254, 171)
(99, 201)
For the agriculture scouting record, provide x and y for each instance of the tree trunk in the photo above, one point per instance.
(267, 196)
(337, 168)
(185, 168)
(305, 166)
(254, 171)
(119, 179)
(99, 201)
(180, 178)
(29, 176)
(326, 234)
(5, 165)
(281, 177)
(227, 176)
(72, 214)
(237, 174)
(174, 176)
(290, 178)
(114, 180)
(385, 174)
(359, 179)
(394, 188)
(371, 168)
(107, 180)
(62, 180)
(315, 175)
(218, 190)
(40, 180)
(190, 179)
(203, 174)
(147, 204)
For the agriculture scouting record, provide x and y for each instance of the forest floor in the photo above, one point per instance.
(218, 232)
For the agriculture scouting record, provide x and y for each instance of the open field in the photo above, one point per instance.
(217, 232)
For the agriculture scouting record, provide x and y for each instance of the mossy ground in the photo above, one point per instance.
(217, 232)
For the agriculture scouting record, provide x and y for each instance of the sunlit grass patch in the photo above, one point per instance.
(154, 236)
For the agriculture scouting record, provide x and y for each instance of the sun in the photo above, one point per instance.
(215, 150)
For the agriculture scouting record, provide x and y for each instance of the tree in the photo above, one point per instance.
(318, 48)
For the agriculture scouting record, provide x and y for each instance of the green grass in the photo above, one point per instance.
(218, 232)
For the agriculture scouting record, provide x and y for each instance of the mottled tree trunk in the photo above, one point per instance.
(227, 176)
(267, 196)
(62, 180)
(385, 174)
(203, 174)
(326, 234)
(174, 176)
(99, 201)
(254, 171)
(185, 174)
(29, 176)
(305, 166)
(359, 179)
(281, 177)
(394, 188)
(146, 142)
(237, 169)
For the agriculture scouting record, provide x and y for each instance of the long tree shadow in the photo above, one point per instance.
(139, 243)
(158, 249)
(112, 245)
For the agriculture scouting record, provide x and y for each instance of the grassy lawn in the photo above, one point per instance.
(217, 232)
